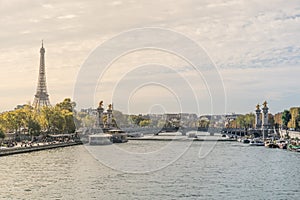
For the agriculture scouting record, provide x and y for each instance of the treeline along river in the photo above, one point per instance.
(229, 171)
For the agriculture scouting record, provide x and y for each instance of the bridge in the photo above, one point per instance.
(157, 131)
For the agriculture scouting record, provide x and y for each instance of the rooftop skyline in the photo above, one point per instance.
(253, 44)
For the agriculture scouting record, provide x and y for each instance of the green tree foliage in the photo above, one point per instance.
(34, 128)
(67, 104)
(145, 122)
(250, 120)
(63, 119)
(286, 116)
(204, 123)
(298, 121)
(2, 134)
(8, 121)
(44, 119)
(57, 119)
(161, 123)
(245, 121)
(241, 122)
(135, 119)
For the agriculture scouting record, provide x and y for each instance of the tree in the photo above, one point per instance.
(161, 123)
(30, 120)
(67, 104)
(34, 128)
(298, 121)
(145, 122)
(286, 116)
(2, 134)
(69, 126)
(241, 121)
(57, 121)
(204, 123)
(249, 120)
(65, 122)
(10, 121)
(45, 118)
(135, 119)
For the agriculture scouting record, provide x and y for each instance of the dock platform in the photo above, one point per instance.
(18, 150)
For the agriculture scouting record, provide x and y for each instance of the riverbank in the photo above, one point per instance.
(17, 150)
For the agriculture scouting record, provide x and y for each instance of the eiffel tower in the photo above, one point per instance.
(41, 98)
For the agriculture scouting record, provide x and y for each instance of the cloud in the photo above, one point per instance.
(49, 6)
(254, 43)
(246, 86)
(70, 16)
(116, 3)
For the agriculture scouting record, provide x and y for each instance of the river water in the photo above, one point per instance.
(229, 170)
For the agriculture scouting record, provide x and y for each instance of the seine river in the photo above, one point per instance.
(200, 170)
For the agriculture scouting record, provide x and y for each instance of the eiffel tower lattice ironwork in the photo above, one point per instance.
(41, 98)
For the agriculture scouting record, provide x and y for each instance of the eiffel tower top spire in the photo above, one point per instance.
(41, 98)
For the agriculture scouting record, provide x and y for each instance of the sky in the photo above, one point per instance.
(249, 53)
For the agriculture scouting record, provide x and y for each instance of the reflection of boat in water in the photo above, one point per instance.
(100, 139)
(118, 136)
(170, 129)
(202, 129)
(256, 142)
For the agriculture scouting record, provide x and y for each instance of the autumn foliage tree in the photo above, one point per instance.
(26, 119)
(286, 116)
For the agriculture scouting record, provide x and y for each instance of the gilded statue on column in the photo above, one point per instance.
(101, 104)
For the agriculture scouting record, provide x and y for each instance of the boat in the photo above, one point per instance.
(282, 144)
(168, 129)
(295, 148)
(100, 139)
(192, 135)
(256, 142)
(135, 134)
(118, 136)
(245, 141)
(271, 144)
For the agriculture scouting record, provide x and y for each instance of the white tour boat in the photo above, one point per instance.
(100, 139)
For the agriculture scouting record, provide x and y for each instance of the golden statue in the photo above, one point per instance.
(265, 104)
(257, 107)
(100, 104)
